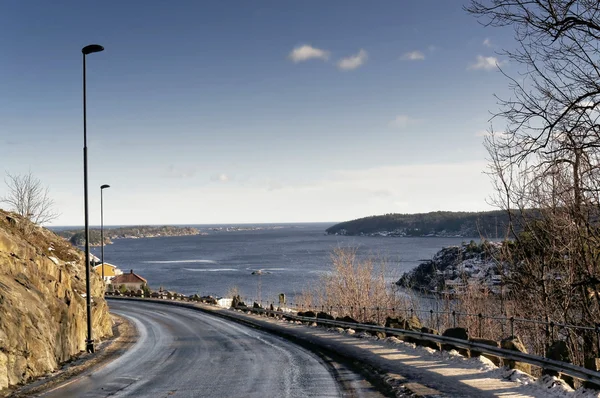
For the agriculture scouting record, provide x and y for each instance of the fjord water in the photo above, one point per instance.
(292, 257)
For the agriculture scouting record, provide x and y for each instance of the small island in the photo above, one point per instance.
(77, 236)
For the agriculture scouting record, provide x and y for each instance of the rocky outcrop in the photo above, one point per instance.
(42, 301)
(456, 267)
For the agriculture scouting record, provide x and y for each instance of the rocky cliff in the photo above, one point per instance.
(454, 267)
(42, 301)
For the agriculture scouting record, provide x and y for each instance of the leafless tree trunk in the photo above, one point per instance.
(28, 197)
(546, 163)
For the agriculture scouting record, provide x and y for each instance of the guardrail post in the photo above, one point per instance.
(479, 320)
(351, 310)
(453, 318)
(331, 310)
(378, 315)
(393, 312)
(512, 326)
(364, 314)
(322, 308)
(431, 318)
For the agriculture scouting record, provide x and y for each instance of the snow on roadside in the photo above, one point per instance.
(546, 386)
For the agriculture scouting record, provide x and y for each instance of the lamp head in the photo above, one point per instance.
(105, 186)
(92, 48)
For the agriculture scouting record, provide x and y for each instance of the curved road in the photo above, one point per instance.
(186, 353)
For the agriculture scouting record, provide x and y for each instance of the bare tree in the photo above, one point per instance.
(546, 163)
(28, 197)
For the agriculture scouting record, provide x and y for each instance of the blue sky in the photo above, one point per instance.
(262, 111)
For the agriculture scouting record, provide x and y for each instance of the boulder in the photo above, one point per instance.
(427, 343)
(559, 351)
(380, 335)
(414, 323)
(493, 343)
(308, 314)
(592, 364)
(346, 319)
(206, 299)
(456, 333)
(514, 343)
(324, 315)
(396, 323)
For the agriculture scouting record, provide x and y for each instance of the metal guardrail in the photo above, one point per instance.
(535, 360)
(453, 317)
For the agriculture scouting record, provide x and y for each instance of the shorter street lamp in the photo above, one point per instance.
(102, 188)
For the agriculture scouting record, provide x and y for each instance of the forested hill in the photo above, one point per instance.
(77, 236)
(490, 224)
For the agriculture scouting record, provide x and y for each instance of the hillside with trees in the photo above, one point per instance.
(77, 236)
(490, 224)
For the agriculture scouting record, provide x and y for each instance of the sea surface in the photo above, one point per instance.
(292, 258)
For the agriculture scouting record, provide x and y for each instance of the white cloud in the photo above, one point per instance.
(487, 42)
(403, 121)
(353, 61)
(413, 56)
(306, 52)
(486, 63)
(221, 177)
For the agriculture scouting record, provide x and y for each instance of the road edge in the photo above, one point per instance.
(387, 384)
(124, 336)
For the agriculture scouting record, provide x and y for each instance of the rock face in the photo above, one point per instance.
(454, 267)
(42, 301)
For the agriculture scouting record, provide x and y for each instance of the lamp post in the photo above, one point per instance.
(89, 343)
(102, 188)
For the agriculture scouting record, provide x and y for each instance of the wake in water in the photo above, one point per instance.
(211, 269)
(181, 262)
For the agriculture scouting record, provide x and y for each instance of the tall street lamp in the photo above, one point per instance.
(89, 343)
(102, 188)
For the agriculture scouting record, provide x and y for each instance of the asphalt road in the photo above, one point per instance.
(186, 353)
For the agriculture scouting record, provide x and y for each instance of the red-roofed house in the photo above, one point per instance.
(131, 281)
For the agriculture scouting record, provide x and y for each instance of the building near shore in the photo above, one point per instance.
(130, 280)
(110, 271)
